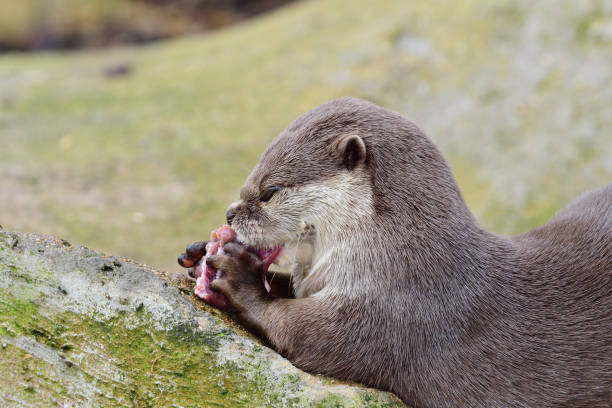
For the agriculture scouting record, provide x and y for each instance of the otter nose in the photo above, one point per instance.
(229, 216)
(231, 211)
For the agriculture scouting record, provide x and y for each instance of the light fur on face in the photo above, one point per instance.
(333, 206)
(310, 220)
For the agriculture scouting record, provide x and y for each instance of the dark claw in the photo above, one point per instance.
(191, 273)
(243, 255)
(235, 249)
(221, 262)
(184, 261)
(210, 261)
(196, 250)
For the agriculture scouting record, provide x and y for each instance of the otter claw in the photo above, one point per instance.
(185, 261)
(196, 250)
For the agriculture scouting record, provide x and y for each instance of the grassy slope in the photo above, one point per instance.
(139, 166)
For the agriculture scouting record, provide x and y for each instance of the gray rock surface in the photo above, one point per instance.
(80, 328)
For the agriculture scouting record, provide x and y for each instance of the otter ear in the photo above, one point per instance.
(351, 150)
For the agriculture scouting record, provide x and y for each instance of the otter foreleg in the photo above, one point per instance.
(297, 328)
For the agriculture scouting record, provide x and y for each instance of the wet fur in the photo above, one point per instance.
(406, 292)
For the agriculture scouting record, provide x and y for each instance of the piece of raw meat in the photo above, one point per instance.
(205, 274)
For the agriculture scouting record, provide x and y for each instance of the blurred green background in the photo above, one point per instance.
(137, 150)
(70, 24)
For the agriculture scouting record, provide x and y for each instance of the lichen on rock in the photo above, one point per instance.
(79, 328)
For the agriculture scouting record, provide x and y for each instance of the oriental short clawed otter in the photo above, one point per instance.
(396, 286)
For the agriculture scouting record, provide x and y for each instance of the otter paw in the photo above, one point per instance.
(238, 264)
(241, 275)
(192, 255)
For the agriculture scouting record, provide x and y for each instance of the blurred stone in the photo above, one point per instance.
(601, 30)
(418, 46)
(118, 69)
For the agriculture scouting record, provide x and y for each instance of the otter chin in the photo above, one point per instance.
(378, 272)
(285, 260)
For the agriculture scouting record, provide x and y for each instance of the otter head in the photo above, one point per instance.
(312, 182)
(350, 171)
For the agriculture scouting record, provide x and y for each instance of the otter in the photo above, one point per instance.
(395, 285)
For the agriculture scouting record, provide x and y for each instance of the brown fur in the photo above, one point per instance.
(418, 299)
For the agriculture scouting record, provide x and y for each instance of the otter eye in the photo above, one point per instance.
(268, 193)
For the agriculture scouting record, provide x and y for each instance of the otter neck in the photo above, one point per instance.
(336, 254)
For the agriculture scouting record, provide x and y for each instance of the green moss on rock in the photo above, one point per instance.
(76, 333)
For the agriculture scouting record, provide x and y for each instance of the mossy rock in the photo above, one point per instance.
(80, 328)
